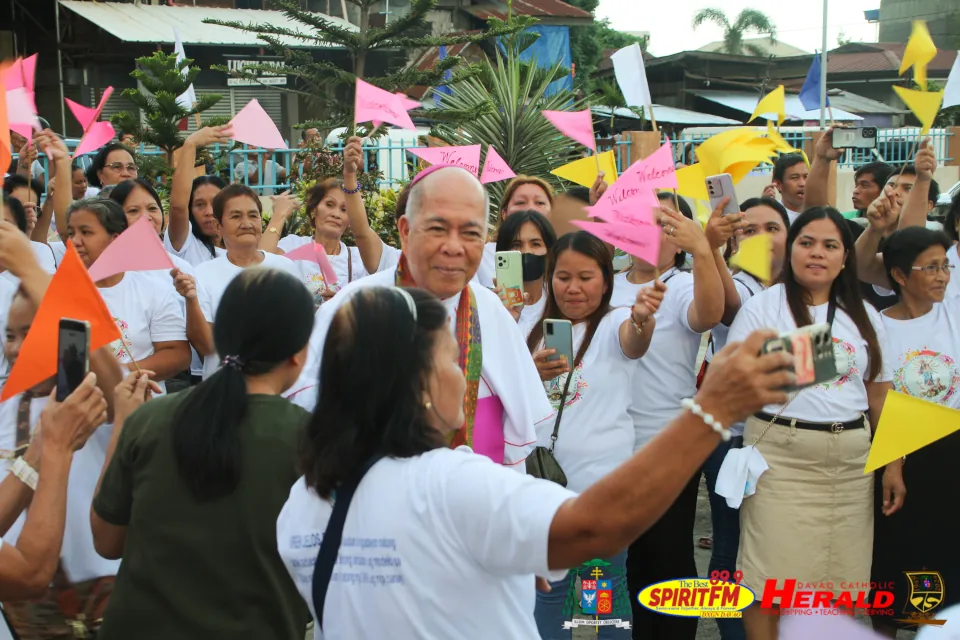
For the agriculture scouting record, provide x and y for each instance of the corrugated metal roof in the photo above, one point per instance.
(747, 102)
(152, 23)
(536, 8)
(882, 56)
(669, 114)
(855, 103)
(776, 48)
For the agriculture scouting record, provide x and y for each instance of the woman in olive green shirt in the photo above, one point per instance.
(194, 482)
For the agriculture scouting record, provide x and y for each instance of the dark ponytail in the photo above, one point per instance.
(264, 318)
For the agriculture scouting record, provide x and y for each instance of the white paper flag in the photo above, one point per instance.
(188, 97)
(951, 92)
(631, 76)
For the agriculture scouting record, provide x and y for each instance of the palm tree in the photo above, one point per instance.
(747, 20)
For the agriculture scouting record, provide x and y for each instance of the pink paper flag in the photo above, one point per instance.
(625, 189)
(642, 241)
(373, 104)
(22, 112)
(656, 171)
(314, 252)
(407, 104)
(576, 125)
(98, 135)
(136, 249)
(253, 126)
(467, 156)
(21, 74)
(495, 168)
(636, 211)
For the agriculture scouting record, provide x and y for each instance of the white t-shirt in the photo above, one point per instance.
(80, 560)
(245, 172)
(193, 251)
(507, 371)
(213, 276)
(7, 291)
(953, 287)
(532, 313)
(443, 527)
(666, 373)
(792, 215)
(845, 397)
(163, 276)
(347, 264)
(146, 311)
(596, 430)
(487, 270)
(924, 354)
(747, 286)
(45, 258)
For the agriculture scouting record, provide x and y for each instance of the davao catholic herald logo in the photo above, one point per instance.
(603, 598)
(699, 597)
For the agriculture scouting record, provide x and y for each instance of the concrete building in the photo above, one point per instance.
(942, 16)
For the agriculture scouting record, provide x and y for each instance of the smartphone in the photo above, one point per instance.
(720, 187)
(73, 356)
(558, 334)
(855, 138)
(812, 349)
(510, 276)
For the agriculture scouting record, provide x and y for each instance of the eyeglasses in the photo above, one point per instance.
(117, 166)
(932, 269)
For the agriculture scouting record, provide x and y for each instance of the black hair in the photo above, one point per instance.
(909, 169)
(881, 172)
(784, 162)
(100, 161)
(750, 203)
(510, 229)
(845, 290)
(16, 210)
(903, 246)
(264, 318)
(374, 330)
(230, 192)
(122, 190)
(195, 229)
(671, 201)
(588, 245)
(580, 193)
(934, 193)
(108, 212)
(953, 218)
(16, 181)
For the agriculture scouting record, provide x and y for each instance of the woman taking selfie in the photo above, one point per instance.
(531, 234)
(193, 482)
(923, 332)
(812, 515)
(592, 433)
(432, 523)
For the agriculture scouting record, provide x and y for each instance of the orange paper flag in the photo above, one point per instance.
(71, 294)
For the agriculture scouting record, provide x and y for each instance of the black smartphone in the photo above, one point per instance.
(812, 349)
(73, 356)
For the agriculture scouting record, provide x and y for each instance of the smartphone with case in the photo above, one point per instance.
(558, 334)
(73, 356)
(812, 349)
(720, 187)
(510, 276)
(855, 138)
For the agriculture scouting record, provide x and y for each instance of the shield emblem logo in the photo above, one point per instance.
(926, 590)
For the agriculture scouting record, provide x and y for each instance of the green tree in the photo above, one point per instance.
(746, 21)
(162, 80)
(329, 87)
(606, 93)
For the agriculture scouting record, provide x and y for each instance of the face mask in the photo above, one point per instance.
(534, 266)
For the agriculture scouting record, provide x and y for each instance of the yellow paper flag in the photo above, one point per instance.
(584, 171)
(710, 151)
(906, 425)
(773, 102)
(781, 145)
(740, 159)
(924, 104)
(919, 52)
(754, 255)
(690, 182)
(703, 212)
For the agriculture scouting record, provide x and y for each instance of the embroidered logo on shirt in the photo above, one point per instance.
(119, 347)
(554, 388)
(604, 598)
(927, 374)
(846, 357)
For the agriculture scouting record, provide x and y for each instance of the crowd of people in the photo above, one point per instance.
(265, 438)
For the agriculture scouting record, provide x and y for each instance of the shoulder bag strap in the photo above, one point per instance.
(349, 266)
(563, 401)
(330, 546)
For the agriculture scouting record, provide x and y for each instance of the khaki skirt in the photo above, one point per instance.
(811, 517)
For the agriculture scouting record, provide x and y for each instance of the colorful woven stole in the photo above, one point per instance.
(471, 352)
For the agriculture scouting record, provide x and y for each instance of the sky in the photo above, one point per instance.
(798, 23)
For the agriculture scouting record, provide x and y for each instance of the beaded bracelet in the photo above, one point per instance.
(350, 192)
(638, 327)
(707, 418)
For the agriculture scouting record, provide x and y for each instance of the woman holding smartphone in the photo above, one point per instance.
(592, 433)
(811, 517)
(530, 233)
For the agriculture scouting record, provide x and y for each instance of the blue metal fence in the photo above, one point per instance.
(390, 156)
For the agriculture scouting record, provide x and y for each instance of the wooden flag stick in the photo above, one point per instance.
(126, 345)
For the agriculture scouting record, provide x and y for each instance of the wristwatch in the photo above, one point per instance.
(27, 474)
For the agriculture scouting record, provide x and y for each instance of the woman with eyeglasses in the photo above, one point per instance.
(113, 164)
(923, 333)
(811, 518)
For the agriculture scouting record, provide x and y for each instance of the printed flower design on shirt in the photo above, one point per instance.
(845, 355)
(119, 347)
(927, 374)
(554, 387)
(318, 286)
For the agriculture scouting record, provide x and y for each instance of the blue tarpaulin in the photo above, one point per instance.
(552, 47)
